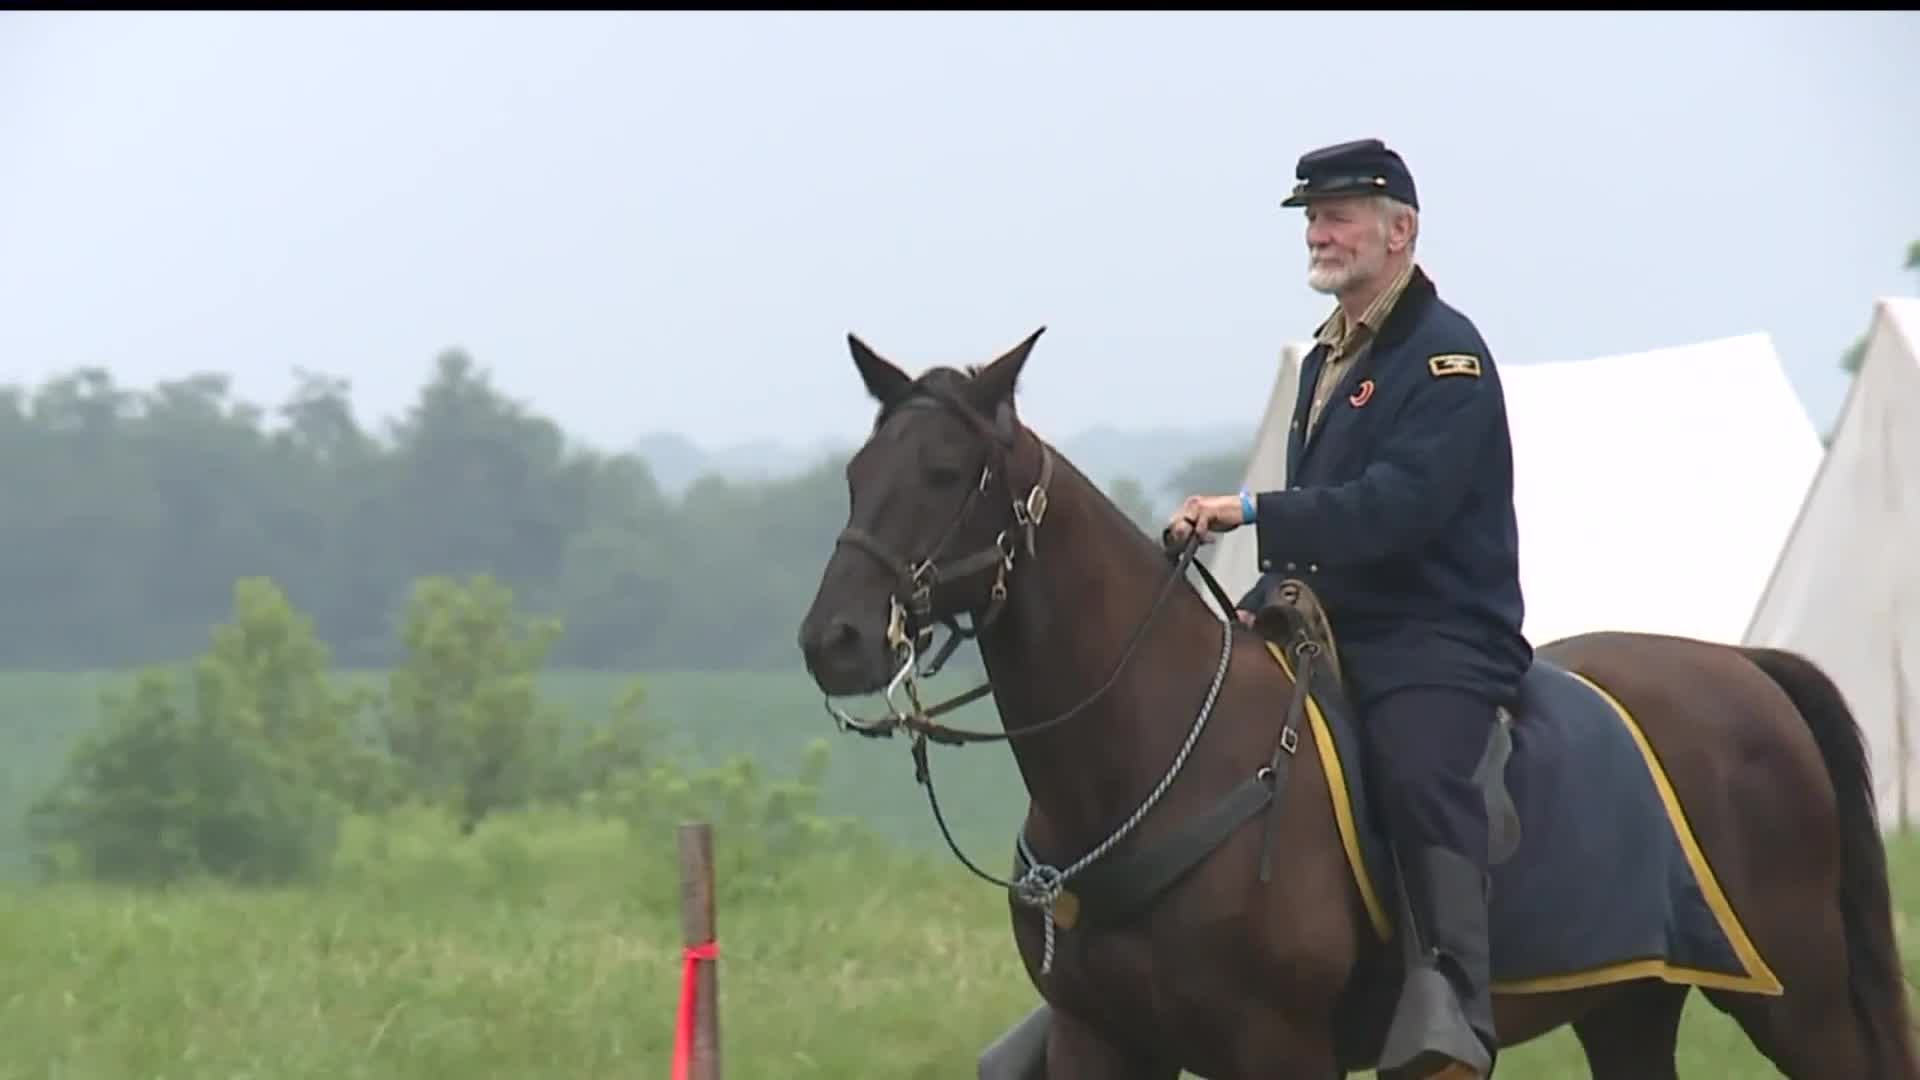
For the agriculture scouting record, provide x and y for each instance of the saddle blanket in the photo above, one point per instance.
(1607, 884)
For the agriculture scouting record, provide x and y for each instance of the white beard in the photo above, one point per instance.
(1333, 278)
(1328, 278)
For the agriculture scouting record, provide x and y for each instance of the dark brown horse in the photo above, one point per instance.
(1261, 959)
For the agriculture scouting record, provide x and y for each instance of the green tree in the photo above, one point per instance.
(609, 756)
(1131, 498)
(281, 689)
(464, 717)
(244, 777)
(1213, 474)
(137, 509)
(1856, 353)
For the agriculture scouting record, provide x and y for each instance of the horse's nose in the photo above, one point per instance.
(835, 653)
(841, 636)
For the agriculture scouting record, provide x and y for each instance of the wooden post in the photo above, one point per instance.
(696, 929)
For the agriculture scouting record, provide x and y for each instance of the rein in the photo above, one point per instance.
(1040, 886)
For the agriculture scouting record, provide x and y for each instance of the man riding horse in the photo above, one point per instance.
(1398, 518)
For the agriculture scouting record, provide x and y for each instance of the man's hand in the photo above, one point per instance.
(1207, 514)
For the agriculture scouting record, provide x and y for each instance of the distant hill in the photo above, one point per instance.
(1149, 455)
(677, 461)
(1106, 453)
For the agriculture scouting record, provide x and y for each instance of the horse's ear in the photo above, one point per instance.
(884, 381)
(994, 385)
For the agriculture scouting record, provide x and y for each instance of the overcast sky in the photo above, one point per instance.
(635, 221)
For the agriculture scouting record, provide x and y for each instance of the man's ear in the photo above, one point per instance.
(884, 381)
(994, 386)
(1400, 227)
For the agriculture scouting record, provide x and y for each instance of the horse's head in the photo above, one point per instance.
(934, 521)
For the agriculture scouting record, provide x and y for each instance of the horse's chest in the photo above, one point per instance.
(1101, 973)
(1180, 997)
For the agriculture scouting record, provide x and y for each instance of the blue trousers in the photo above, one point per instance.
(1423, 744)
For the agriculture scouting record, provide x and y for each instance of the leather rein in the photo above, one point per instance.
(1041, 885)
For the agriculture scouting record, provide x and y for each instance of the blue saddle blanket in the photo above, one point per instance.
(1607, 884)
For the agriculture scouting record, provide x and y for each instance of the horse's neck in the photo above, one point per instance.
(1073, 609)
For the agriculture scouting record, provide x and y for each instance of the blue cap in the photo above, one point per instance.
(1362, 167)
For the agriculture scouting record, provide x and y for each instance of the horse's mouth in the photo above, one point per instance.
(850, 685)
(870, 680)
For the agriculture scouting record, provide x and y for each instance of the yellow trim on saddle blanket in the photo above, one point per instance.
(1330, 764)
(1759, 979)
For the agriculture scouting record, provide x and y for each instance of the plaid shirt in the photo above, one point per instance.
(1345, 342)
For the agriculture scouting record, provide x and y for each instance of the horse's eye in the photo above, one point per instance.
(942, 475)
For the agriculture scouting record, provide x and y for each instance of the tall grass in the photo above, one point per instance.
(547, 945)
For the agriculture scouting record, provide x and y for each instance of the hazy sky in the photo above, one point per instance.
(635, 220)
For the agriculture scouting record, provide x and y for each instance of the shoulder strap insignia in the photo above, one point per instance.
(1454, 364)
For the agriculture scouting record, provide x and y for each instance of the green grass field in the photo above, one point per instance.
(548, 946)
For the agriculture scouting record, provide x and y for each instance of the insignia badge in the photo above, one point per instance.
(1454, 364)
(1363, 395)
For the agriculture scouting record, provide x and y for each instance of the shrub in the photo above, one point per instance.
(244, 779)
(463, 717)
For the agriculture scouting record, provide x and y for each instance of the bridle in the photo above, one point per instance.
(909, 630)
(910, 624)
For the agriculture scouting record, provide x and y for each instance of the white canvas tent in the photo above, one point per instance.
(1846, 590)
(1232, 558)
(1655, 489)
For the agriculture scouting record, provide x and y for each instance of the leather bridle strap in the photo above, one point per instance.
(919, 579)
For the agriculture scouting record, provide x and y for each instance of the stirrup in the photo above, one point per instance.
(1429, 1024)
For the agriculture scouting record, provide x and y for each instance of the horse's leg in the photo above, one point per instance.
(1796, 905)
(1808, 1033)
(1633, 1036)
(1279, 1052)
(1811, 1030)
(1077, 1052)
(1818, 896)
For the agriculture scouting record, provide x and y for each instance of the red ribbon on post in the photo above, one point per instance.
(692, 955)
(696, 1042)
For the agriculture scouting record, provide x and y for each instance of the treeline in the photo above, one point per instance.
(131, 513)
(245, 763)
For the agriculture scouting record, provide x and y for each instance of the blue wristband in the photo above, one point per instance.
(1247, 514)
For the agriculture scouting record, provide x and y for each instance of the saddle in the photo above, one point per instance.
(1291, 613)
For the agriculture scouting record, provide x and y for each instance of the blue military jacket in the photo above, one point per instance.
(1398, 511)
